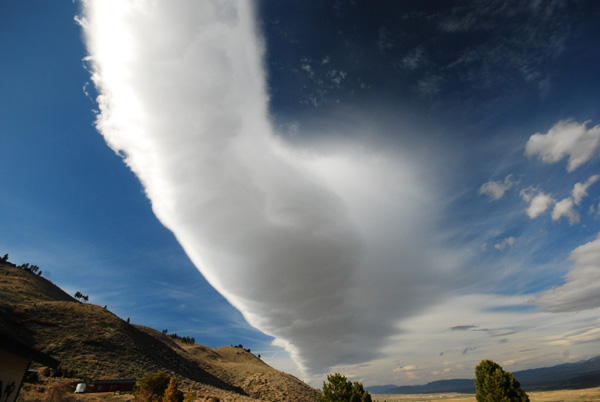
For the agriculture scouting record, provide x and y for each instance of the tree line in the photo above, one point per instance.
(184, 339)
(34, 269)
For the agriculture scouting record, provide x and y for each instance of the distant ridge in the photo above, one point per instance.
(583, 374)
(461, 386)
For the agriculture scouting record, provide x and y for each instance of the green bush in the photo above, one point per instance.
(493, 384)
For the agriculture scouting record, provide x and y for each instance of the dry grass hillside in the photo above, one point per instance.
(98, 344)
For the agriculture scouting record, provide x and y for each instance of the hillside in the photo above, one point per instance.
(98, 344)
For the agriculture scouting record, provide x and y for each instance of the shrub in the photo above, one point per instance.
(190, 396)
(58, 392)
(493, 384)
(152, 386)
(172, 393)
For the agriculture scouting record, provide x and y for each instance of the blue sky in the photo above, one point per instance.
(392, 191)
(69, 204)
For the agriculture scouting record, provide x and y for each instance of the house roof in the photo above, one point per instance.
(18, 348)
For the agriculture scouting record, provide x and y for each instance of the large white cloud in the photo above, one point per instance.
(565, 138)
(581, 290)
(323, 251)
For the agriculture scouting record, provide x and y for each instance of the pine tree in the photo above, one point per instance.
(496, 385)
(339, 389)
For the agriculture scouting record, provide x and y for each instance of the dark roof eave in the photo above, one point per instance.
(18, 348)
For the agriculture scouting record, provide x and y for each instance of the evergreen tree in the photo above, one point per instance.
(339, 389)
(81, 297)
(496, 385)
(359, 394)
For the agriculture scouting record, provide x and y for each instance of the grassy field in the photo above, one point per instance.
(580, 395)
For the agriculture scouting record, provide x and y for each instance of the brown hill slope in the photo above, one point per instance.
(242, 369)
(98, 344)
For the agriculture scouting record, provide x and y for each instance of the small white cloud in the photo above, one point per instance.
(483, 247)
(581, 290)
(580, 189)
(496, 189)
(565, 138)
(538, 201)
(509, 241)
(565, 208)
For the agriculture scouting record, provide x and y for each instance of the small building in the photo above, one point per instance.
(124, 385)
(15, 359)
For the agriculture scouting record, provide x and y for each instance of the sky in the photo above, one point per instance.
(389, 190)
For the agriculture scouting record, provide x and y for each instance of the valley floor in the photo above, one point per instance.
(578, 395)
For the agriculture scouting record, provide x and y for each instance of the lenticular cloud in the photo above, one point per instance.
(325, 253)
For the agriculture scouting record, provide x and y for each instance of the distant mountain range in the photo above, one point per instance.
(583, 374)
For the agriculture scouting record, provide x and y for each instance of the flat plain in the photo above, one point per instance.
(567, 395)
